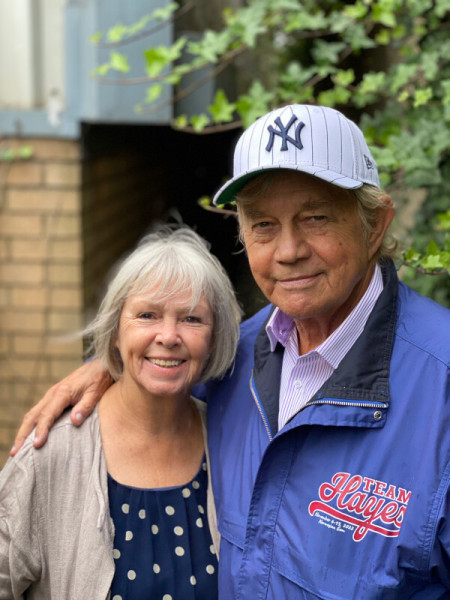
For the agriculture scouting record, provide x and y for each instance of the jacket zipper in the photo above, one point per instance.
(332, 402)
(349, 403)
(261, 412)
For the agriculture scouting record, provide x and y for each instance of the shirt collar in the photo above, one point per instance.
(280, 327)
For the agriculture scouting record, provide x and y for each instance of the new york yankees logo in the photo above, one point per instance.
(283, 133)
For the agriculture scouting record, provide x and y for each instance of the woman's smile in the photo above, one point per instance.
(164, 362)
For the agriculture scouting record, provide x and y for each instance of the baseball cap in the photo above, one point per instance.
(317, 140)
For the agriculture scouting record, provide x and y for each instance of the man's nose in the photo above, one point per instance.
(291, 245)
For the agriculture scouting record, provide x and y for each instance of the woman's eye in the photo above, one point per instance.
(146, 315)
(192, 319)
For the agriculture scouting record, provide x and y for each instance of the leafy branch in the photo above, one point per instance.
(385, 63)
(8, 155)
(122, 34)
(435, 260)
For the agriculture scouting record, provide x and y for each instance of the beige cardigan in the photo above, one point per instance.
(56, 535)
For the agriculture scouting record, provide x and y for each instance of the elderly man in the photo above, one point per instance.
(330, 439)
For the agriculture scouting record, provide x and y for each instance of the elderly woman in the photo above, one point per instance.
(122, 508)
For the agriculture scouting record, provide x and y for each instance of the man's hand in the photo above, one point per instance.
(82, 389)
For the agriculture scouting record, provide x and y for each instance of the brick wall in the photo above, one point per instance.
(66, 216)
(122, 195)
(40, 276)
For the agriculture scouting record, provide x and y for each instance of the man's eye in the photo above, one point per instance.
(317, 218)
(262, 225)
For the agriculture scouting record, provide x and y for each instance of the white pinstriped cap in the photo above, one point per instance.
(312, 139)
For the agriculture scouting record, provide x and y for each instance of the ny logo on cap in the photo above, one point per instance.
(283, 133)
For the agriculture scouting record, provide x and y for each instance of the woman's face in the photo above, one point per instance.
(164, 345)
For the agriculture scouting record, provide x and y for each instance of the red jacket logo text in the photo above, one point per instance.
(363, 503)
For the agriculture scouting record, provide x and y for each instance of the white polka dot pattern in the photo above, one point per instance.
(162, 545)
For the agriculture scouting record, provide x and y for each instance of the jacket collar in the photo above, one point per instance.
(363, 374)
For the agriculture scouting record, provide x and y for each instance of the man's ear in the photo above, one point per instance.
(385, 215)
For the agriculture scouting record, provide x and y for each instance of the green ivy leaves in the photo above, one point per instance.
(384, 60)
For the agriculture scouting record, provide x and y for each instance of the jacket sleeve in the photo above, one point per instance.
(20, 563)
(440, 554)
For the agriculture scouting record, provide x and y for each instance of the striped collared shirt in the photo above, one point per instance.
(302, 376)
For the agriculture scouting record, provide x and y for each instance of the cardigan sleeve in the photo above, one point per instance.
(20, 563)
(211, 506)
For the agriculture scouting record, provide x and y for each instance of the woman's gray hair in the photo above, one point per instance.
(170, 262)
(369, 200)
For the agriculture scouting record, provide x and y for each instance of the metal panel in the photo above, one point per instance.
(51, 49)
(91, 100)
(46, 60)
(17, 54)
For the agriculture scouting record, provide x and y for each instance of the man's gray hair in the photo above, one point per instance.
(170, 262)
(369, 200)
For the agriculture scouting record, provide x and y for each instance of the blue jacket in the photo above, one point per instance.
(350, 499)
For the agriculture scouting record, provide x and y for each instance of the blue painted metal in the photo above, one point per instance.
(35, 123)
(95, 101)
(197, 101)
(87, 99)
(90, 99)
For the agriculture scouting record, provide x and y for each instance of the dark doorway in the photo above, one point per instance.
(134, 176)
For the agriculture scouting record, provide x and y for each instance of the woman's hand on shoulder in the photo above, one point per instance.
(82, 389)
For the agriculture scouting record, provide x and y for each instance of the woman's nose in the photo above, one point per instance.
(168, 333)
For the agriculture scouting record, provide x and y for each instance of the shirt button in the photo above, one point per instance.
(298, 385)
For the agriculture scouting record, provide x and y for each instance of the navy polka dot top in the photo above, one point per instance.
(162, 546)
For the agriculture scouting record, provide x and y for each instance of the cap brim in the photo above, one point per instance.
(228, 192)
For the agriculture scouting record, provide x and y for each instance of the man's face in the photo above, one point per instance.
(307, 250)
